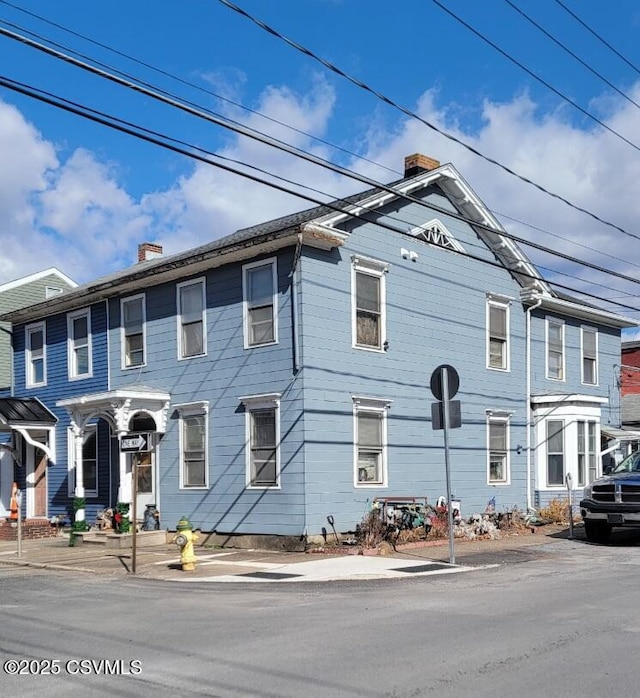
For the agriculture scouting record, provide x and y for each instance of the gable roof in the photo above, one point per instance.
(319, 227)
(37, 276)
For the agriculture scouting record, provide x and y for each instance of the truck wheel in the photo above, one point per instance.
(597, 531)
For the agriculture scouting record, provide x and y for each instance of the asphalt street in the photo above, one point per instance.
(562, 620)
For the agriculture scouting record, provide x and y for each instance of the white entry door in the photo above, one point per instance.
(145, 482)
(6, 482)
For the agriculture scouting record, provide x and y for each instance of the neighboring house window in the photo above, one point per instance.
(370, 439)
(368, 303)
(79, 344)
(194, 468)
(259, 284)
(498, 449)
(36, 355)
(555, 349)
(133, 319)
(497, 334)
(555, 452)
(586, 453)
(191, 319)
(263, 440)
(589, 356)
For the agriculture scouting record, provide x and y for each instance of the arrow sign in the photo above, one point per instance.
(135, 443)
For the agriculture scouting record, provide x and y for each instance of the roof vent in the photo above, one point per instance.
(416, 164)
(148, 250)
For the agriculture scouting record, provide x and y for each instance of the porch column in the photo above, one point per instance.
(124, 488)
(79, 472)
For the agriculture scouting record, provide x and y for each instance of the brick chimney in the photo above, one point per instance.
(148, 250)
(417, 163)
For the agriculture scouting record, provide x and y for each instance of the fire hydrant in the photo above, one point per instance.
(184, 539)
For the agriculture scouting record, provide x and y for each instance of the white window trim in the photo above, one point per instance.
(191, 409)
(565, 469)
(203, 285)
(123, 301)
(495, 417)
(583, 329)
(258, 402)
(273, 261)
(71, 363)
(29, 330)
(71, 462)
(380, 406)
(380, 269)
(555, 321)
(505, 303)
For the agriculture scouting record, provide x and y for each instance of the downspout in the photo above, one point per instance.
(295, 281)
(537, 304)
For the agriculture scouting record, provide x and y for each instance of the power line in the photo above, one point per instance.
(597, 36)
(169, 143)
(529, 72)
(187, 83)
(413, 115)
(571, 53)
(225, 122)
(291, 150)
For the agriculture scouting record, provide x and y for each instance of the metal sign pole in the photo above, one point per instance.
(19, 522)
(134, 509)
(445, 405)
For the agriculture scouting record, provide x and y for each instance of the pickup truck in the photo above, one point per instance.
(612, 500)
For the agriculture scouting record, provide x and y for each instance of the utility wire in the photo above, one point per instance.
(413, 115)
(187, 83)
(597, 36)
(193, 152)
(291, 150)
(529, 72)
(373, 183)
(571, 53)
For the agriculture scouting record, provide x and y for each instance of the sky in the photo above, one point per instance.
(534, 102)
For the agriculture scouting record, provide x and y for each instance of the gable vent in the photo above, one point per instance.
(435, 233)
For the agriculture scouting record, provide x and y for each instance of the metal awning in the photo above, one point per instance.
(622, 435)
(22, 414)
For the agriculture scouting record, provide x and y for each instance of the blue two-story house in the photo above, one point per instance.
(280, 375)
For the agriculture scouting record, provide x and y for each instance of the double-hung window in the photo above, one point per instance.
(586, 453)
(259, 284)
(497, 334)
(90, 460)
(191, 319)
(368, 294)
(498, 449)
(589, 356)
(36, 355)
(89, 463)
(263, 440)
(133, 321)
(555, 349)
(194, 468)
(555, 452)
(370, 440)
(79, 344)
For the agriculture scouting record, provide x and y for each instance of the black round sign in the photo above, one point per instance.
(437, 378)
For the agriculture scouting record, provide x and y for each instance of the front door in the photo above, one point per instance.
(6, 482)
(40, 485)
(145, 482)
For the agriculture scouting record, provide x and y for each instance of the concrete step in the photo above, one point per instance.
(144, 539)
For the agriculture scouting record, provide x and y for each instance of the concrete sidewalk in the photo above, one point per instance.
(162, 562)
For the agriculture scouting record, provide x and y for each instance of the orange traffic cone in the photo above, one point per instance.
(13, 507)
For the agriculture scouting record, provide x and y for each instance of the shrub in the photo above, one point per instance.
(556, 511)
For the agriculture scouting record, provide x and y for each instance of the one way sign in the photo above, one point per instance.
(135, 443)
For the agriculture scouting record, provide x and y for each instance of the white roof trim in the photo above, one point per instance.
(52, 271)
(568, 398)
